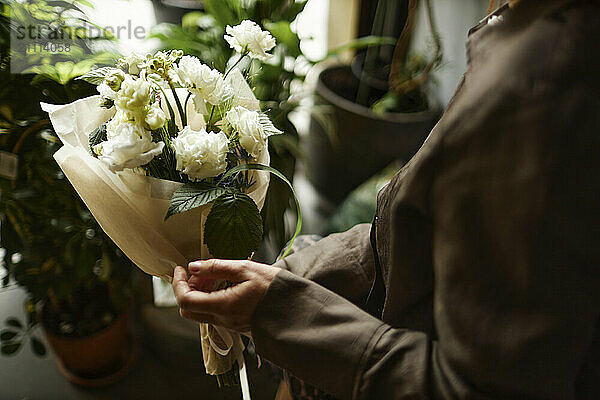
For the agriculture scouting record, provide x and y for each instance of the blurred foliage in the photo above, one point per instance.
(361, 204)
(52, 245)
(408, 73)
(201, 34)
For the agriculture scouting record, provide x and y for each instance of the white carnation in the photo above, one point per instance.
(134, 63)
(155, 117)
(200, 154)
(121, 117)
(134, 94)
(128, 146)
(202, 81)
(248, 37)
(250, 131)
(106, 92)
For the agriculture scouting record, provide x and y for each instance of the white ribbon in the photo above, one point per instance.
(223, 342)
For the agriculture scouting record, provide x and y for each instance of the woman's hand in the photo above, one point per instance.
(232, 307)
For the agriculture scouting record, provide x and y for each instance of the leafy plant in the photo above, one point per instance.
(16, 335)
(53, 246)
(409, 73)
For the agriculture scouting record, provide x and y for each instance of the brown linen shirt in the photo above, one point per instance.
(487, 243)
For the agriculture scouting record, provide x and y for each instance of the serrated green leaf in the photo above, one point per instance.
(10, 348)
(14, 323)
(193, 195)
(233, 228)
(260, 167)
(283, 33)
(7, 335)
(96, 76)
(38, 347)
(97, 136)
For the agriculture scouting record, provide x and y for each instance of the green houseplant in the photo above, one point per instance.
(53, 247)
(381, 107)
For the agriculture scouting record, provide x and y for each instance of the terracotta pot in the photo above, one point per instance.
(365, 142)
(99, 359)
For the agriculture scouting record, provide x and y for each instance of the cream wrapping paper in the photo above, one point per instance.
(131, 207)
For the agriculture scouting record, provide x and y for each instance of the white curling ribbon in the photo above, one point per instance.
(243, 377)
(131, 207)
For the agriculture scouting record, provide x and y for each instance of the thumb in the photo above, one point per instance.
(231, 270)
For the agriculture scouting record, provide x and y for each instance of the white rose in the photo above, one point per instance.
(250, 131)
(134, 62)
(200, 154)
(128, 146)
(106, 92)
(202, 81)
(155, 116)
(248, 37)
(134, 94)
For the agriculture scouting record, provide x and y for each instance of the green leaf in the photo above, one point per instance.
(38, 347)
(7, 335)
(233, 228)
(96, 76)
(97, 136)
(192, 195)
(190, 20)
(15, 323)
(260, 167)
(10, 348)
(85, 3)
(283, 33)
(223, 11)
(65, 5)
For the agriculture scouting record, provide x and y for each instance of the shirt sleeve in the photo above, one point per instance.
(342, 262)
(329, 342)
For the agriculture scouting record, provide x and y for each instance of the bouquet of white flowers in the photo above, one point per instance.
(172, 160)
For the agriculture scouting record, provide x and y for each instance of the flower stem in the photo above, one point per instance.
(179, 107)
(235, 65)
(229, 378)
(209, 123)
(187, 99)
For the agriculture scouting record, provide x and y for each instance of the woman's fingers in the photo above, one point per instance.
(217, 302)
(198, 317)
(230, 270)
(198, 283)
(180, 283)
(231, 307)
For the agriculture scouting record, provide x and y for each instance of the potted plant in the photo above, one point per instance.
(378, 110)
(76, 279)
